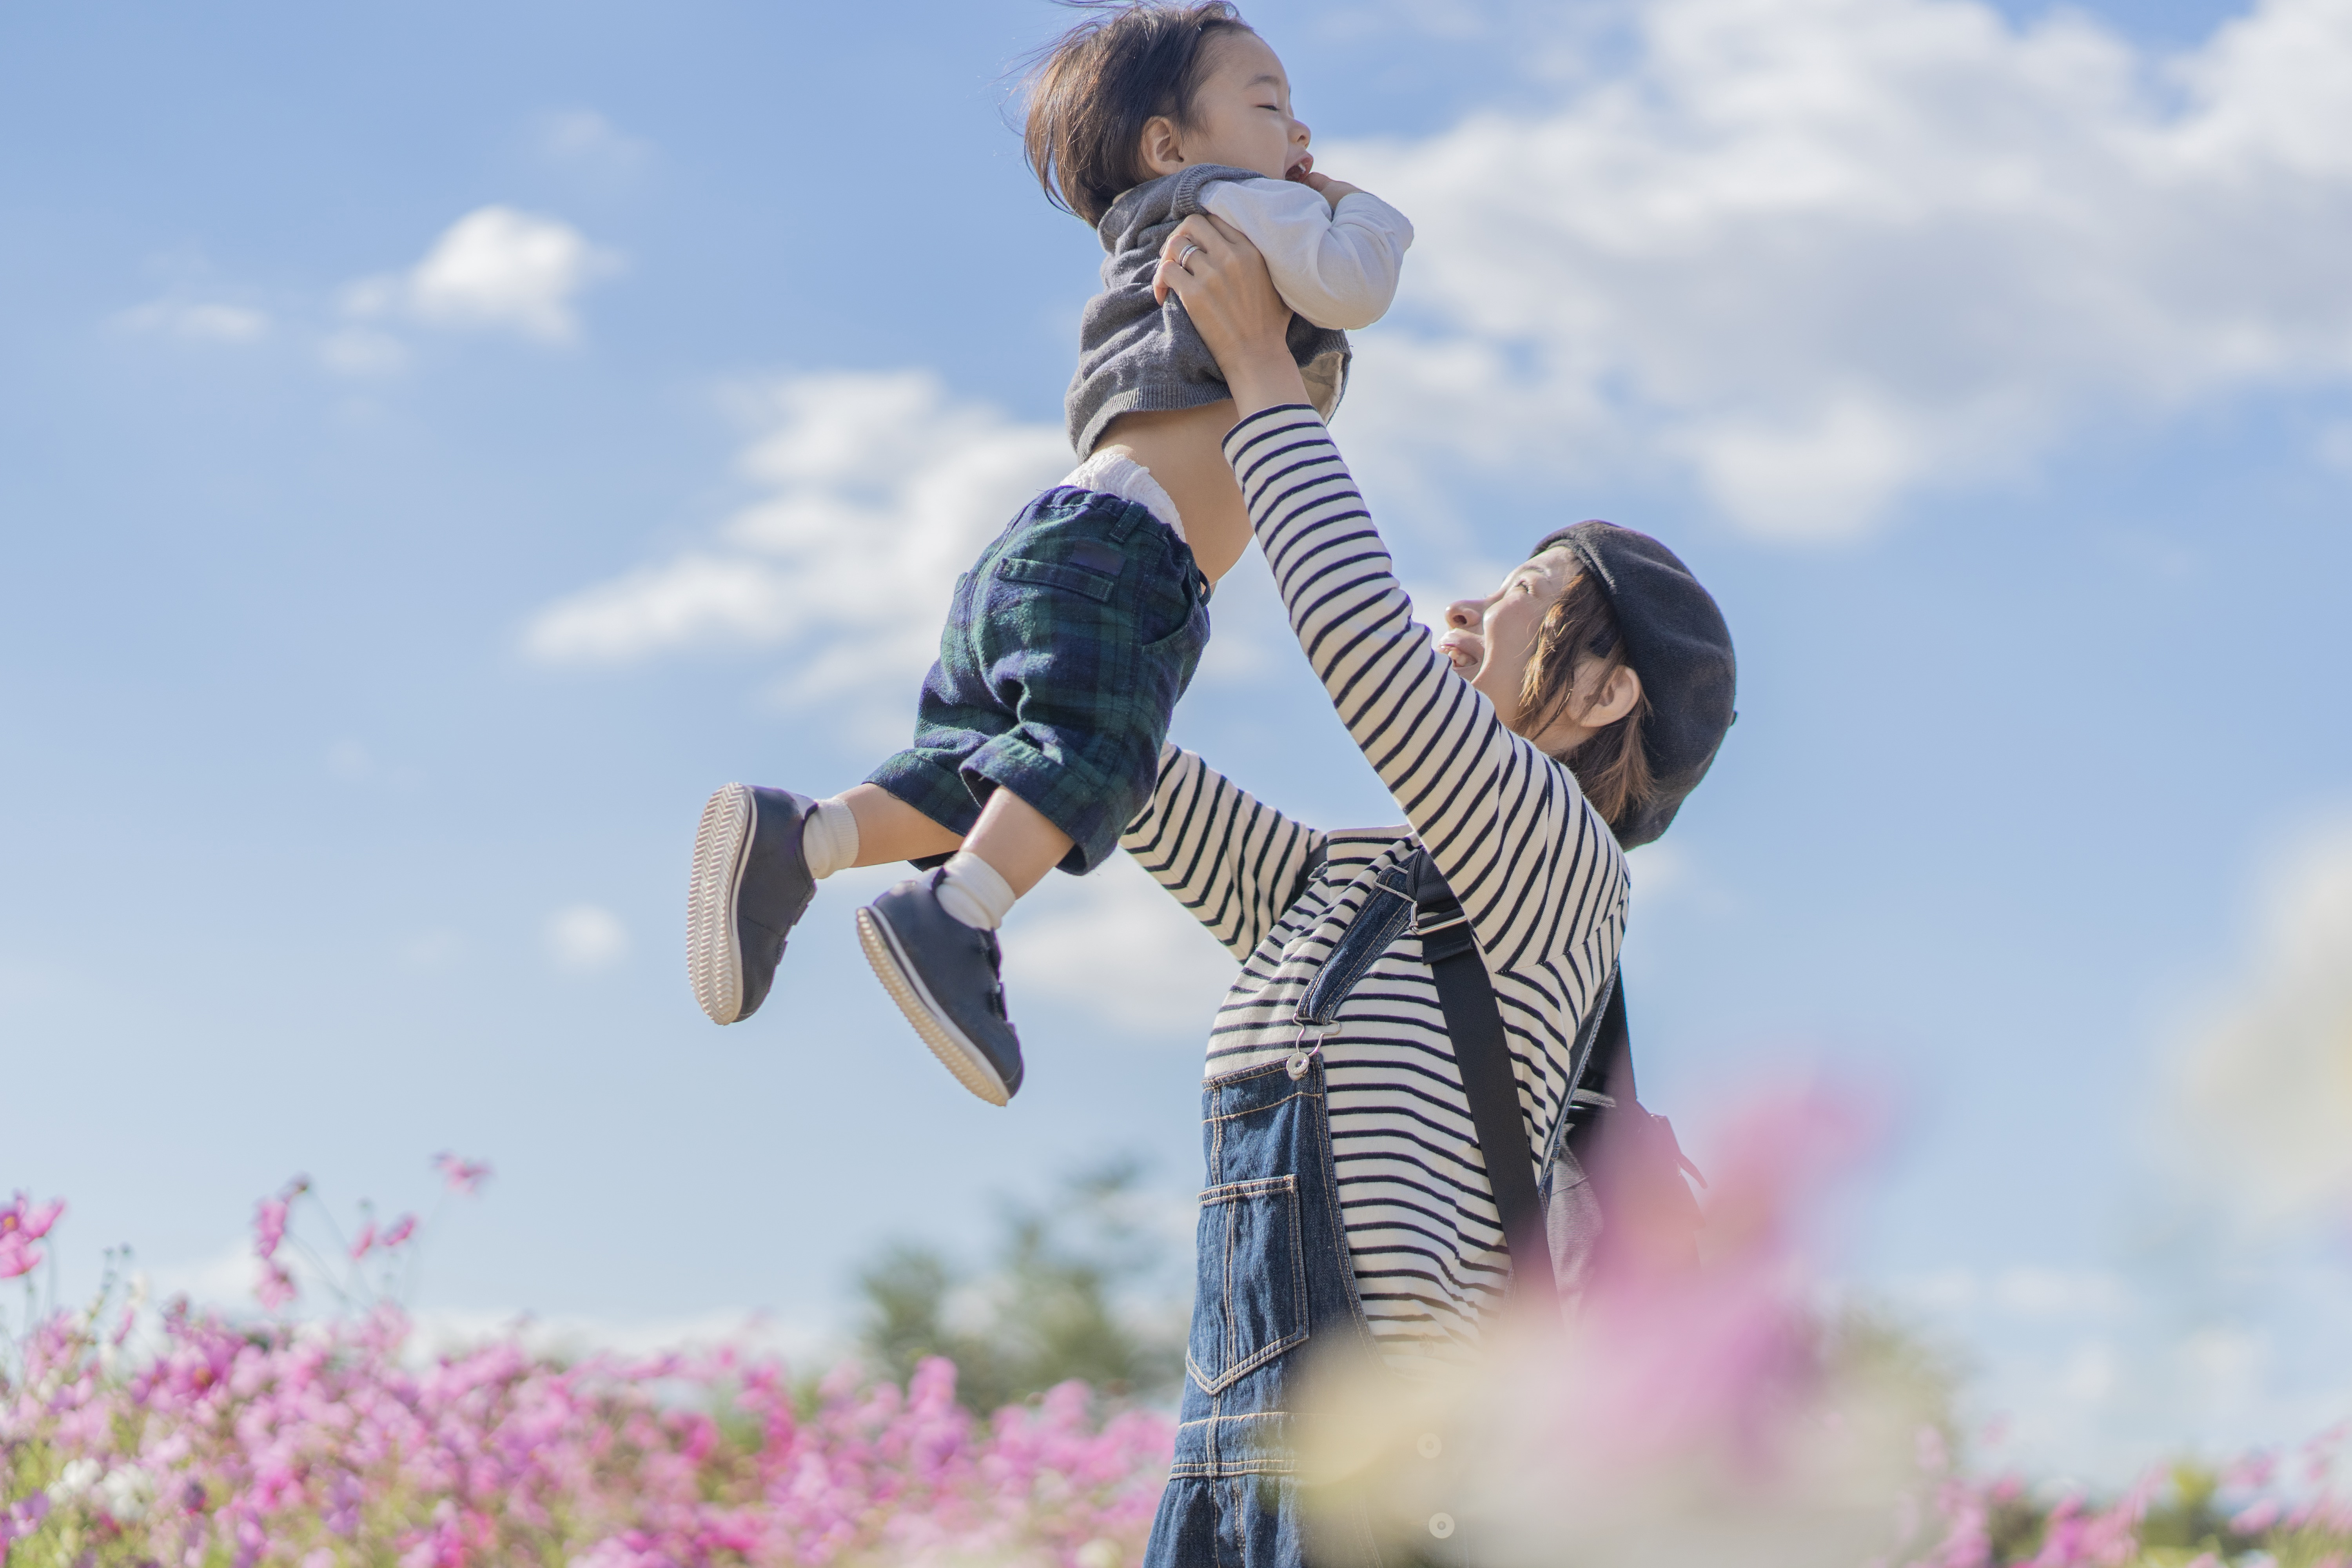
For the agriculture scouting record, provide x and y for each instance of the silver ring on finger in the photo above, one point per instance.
(1189, 251)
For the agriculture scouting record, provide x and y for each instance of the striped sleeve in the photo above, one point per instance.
(1231, 861)
(1535, 869)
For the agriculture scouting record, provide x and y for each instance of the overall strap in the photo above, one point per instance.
(1413, 896)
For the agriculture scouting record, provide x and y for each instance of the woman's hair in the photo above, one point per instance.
(1092, 90)
(1612, 765)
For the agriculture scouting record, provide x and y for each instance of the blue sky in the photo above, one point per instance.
(438, 445)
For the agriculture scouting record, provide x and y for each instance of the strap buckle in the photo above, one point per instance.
(1302, 1054)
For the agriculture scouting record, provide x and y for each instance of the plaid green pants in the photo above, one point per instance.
(1068, 644)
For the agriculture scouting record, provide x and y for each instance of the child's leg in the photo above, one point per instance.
(1016, 841)
(1011, 846)
(887, 828)
(1080, 627)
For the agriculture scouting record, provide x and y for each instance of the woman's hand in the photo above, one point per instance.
(1223, 281)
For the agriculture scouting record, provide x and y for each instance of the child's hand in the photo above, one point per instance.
(1324, 185)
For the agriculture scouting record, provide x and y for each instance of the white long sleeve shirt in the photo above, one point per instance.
(1337, 267)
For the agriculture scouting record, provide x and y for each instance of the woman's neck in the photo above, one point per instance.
(1185, 452)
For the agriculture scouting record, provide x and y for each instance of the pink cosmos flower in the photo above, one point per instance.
(276, 1287)
(2261, 1516)
(400, 1230)
(463, 1175)
(366, 1242)
(17, 1256)
(268, 1227)
(21, 1219)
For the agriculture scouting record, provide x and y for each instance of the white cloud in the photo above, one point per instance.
(586, 937)
(432, 951)
(494, 268)
(584, 139)
(572, 1336)
(2261, 1098)
(362, 351)
(1115, 943)
(878, 489)
(1816, 254)
(2031, 1291)
(2334, 446)
(204, 322)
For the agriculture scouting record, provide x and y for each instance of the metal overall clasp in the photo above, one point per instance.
(1376, 924)
(1302, 1052)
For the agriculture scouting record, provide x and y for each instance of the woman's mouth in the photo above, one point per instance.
(1467, 650)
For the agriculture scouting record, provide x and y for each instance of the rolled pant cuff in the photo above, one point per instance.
(932, 788)
(1083, 801)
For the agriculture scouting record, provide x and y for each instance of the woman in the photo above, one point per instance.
(1557, 721)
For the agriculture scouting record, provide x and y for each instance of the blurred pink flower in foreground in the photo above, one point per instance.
(276, 1287)
(20, 1218)
(21, 1224)
(269, 1226)
(463, 1175)
(1671, 1414)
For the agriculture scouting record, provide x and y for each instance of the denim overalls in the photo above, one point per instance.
(1276, 1293)
(1274, 1279)
(1276, 1287)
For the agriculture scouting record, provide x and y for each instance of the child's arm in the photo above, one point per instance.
(1334, 263)
(1235, 864)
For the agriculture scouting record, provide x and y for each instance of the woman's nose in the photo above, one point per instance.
(1299, 133)
(1463, 614)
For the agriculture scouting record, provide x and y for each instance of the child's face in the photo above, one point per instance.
(1240, 116)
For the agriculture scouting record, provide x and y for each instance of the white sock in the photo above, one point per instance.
(829, 841)
(972, 890)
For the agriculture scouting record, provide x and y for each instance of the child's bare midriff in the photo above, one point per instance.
(1185, 452)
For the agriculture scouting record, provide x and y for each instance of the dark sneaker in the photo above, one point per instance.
(944, 976)
(750, 884)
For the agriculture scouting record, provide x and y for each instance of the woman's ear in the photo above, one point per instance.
(1618, 695)
(1162, 149)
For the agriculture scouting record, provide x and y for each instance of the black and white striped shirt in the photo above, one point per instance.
(1536, 871)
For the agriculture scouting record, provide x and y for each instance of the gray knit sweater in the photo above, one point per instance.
(1136, 355)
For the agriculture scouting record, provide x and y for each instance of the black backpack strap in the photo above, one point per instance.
(1473, 1025)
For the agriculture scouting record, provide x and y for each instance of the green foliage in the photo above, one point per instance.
(2186, 1520)
(1869, 1346)
(1054, 1302)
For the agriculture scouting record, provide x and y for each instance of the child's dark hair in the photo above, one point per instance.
(1613, 765)
(1094, 89)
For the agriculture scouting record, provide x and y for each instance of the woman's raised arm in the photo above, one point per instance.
(1234, 863)
(1535, 869)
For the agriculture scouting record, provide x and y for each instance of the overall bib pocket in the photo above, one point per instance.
(1251, 1301)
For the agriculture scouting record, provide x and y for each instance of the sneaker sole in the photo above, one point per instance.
(956, 1053)
(714, 953)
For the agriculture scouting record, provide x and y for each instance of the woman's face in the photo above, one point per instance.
(1491, 639)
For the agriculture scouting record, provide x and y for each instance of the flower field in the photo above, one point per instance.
(132, 1436)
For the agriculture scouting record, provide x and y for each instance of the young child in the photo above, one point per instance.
(1038, 731)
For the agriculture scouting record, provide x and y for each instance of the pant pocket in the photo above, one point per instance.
(1250, 1303)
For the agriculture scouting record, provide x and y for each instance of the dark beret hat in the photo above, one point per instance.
(1676, 641)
